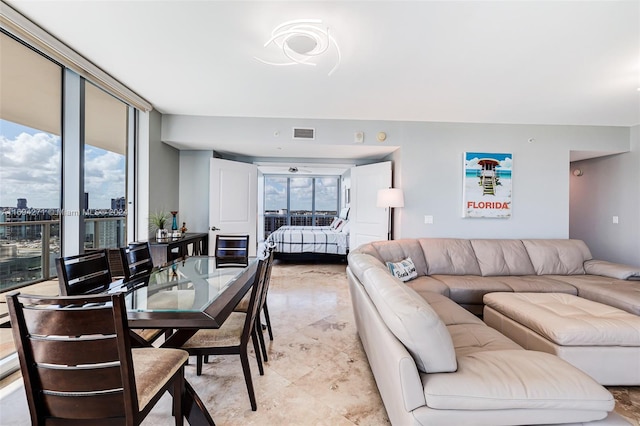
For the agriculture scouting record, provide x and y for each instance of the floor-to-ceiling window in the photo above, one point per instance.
(30, 164)
(300, 201)
(105, 165)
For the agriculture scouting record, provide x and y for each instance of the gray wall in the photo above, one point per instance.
(164, 168)
(429, 164)
(194, 189)
(609, 186)
(432, 168)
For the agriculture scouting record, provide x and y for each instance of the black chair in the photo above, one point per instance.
(84, 274)
(136, 260)
(79, 368)
(243, 305)
(232, 250)
(233, 337)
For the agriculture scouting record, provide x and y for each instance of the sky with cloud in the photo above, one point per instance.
(275, 190)
(30, 167)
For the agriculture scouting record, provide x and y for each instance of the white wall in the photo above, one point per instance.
(429, 166)
(609, 186)
(194, 190)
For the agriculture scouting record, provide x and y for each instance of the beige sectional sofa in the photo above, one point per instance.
(437, 363)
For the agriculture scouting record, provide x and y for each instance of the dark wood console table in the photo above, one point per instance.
(190, 244)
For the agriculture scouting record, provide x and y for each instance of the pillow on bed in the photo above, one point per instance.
(345, 227)
(341, 225)
(337, 224)
(333, 224)
(344, 213)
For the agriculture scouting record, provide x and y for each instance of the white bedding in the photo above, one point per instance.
(309, 239)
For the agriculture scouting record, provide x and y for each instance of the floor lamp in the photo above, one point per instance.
(390, 198)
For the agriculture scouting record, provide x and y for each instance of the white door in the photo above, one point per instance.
(233, 201)
(368, 222)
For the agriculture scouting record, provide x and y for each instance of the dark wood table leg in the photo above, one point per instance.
(193, 408)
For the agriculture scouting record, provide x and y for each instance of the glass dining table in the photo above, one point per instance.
(184, 297)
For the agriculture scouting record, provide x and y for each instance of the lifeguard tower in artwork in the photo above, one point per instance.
(489, 178)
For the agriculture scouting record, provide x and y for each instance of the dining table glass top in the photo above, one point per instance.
(189, 285)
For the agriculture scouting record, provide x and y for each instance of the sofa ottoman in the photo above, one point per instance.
(601, 340)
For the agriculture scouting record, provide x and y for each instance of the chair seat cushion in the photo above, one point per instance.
(227, 335)
(153, 367)
(243, 305)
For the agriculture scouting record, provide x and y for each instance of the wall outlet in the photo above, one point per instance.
(358, 137)
(428, 219)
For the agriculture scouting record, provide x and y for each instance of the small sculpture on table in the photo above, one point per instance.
(184, 228)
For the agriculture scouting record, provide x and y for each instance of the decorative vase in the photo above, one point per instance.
(174, 224)
(162, 235)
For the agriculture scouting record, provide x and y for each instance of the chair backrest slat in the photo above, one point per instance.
(232, 250)
(74, 379)
(93, 406)
(136, 260)
(84, 273)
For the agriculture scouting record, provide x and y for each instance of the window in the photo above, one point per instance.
(105, 178)
(30, 164)
(299, 201)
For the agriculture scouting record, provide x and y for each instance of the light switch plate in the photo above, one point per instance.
(428, 219)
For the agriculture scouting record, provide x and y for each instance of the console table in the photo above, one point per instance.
(190, 244)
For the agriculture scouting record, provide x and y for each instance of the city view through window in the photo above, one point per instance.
(30, 200)
(299, 201)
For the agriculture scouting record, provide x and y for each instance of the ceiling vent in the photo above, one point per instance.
(304, 133)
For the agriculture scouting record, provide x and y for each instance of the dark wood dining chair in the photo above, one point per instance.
(84, 273)
(232, 338)
(78, 366)
(243, 305)
(136, 260)
(232, 250)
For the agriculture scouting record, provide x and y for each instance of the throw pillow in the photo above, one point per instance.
(333, 223)
(344, 213)
(337, 224)
(341, 225)
(405, 270)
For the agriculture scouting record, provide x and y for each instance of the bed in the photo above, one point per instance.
(329, 240)
(309, 239)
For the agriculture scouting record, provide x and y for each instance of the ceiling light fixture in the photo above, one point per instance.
(302, 40)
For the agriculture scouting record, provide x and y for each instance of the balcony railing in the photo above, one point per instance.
(28, 249)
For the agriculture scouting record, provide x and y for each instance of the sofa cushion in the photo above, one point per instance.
(537, 284)
(360, 262)
(424, 285)
(397, 250)
(471, 338)
(412, 321)
(515, 379)
(450, 256)
(562, 257)
(502, 257)
(620, 294)
(610, 269)
(469, 289)
(449, 311)
(568, 320)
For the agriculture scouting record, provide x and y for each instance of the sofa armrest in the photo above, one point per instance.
(613, 270)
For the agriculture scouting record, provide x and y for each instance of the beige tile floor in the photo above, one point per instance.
(317, 372)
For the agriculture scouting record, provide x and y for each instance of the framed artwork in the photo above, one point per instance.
(486, 185)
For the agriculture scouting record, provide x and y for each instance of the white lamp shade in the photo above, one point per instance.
(390, 197)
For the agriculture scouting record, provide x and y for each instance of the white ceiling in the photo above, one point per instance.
(524, 62)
